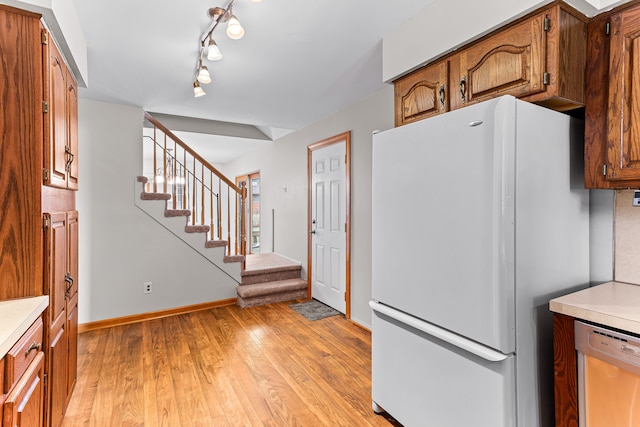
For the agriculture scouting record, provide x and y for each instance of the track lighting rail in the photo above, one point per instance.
(234, 31)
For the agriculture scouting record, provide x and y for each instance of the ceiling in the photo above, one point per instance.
(298, 62)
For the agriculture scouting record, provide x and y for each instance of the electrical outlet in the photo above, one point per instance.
(148, 287)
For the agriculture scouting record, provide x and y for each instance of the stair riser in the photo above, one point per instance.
(268, 299)
(271, 277)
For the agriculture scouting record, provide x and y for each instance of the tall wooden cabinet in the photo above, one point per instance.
(540, 58)
(612, 114)
(21, 123)
(38, 219)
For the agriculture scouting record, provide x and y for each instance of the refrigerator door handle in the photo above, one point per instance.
(453, 339)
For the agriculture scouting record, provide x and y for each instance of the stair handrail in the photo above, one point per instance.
(182, 165)
(191, 151)
(240, 232)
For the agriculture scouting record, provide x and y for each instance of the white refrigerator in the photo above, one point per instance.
(480, 217)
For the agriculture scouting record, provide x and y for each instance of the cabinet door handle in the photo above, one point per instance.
(32, 347)
(463, 88)
(441, 92)
(69, 279)
(69, 158)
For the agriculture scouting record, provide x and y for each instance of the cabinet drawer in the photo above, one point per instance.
(22, 353)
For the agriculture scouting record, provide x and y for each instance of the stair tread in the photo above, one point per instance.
(177, 212)
(266, 288)
(196, 228)
(155, 196)
(234, 258)
(215, 243)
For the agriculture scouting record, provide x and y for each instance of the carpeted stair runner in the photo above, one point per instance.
(186, 213)
(270, 278)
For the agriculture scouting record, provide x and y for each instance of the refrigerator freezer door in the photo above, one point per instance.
(442, 334)
(423, 381)
(443, 221)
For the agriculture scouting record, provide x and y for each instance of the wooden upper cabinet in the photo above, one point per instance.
(510, 62)
(72, 132)
(623, 149)
(61, 120)
(57, 141)
(612, 114)
(540, 58)
(422, 94)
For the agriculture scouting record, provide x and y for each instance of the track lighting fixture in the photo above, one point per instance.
(197, 90)
(234, 31)
(203, 74)
(214, 53)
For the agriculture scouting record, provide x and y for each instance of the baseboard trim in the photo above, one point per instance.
(361, 326)
(135, 318)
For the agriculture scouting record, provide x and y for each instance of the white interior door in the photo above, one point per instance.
(328, 225)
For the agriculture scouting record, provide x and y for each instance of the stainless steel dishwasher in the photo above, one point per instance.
(608, 377)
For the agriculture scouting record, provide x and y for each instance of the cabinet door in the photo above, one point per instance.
(72, 132)
(72, 345)
(623, 147)
(56, 267)
(25, 403)
(55, 150)
(72, 301)
(57, 374)
(71, 287)
(422, 94)
(510, 62)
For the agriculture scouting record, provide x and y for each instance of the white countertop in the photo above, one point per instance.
(16, 315)
(613, 304)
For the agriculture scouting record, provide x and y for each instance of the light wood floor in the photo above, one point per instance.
(226, 367)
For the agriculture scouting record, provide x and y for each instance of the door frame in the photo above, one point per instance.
(346, 137)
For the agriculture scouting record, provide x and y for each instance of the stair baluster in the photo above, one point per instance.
(189, 180)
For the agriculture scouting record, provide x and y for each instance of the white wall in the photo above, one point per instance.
(120, 246)
(446, 25)
(284, 163)
(61, 19)
(443, 26)
(601, 236)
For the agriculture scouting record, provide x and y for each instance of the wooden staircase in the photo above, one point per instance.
(265, 278)
(269, 278)
(214, 207)
(188, 228)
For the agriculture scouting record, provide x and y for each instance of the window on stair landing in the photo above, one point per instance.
(252, 211)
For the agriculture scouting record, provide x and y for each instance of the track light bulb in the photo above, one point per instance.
(203, 75)
(197, 90)
(214, 53)
(234, 29)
